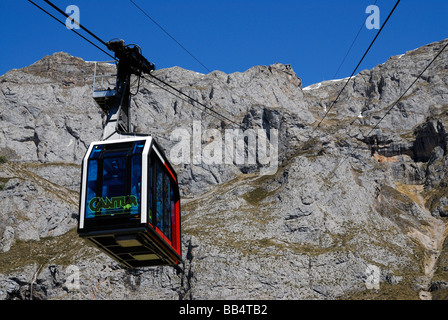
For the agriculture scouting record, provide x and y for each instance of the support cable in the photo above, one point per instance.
(359, 63)
(392, 106)
(61, 22)
(211, 111)
(169, 35)
(351, 46)
(76, 22)
(191, 100)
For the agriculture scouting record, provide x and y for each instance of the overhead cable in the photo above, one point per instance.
(395, 103)
(212, 112)
(217, 114)
(169, 35)
(351, 46)
(406, 91)
(76, 22)
(359, 63)
(80, 35)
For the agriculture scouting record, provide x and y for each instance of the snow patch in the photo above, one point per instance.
(318, 85)
(313, 86)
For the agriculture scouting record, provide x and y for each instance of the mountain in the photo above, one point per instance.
(353, 208)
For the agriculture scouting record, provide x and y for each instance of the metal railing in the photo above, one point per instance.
(101, 80)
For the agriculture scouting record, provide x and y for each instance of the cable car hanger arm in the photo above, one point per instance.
(132, 62)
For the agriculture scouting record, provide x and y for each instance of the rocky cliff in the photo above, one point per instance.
(349, 212)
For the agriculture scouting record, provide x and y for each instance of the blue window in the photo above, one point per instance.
(166, 206)
(159, 196)
(114, 180)
(114, 184)
(150, 191)
(136, 183)
(92, 176)
(172, 207)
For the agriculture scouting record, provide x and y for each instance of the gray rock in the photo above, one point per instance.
(340, 201)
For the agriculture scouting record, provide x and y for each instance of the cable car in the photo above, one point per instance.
(129, 199)
(130, 203)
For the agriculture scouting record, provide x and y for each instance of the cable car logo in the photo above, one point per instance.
(124, 202)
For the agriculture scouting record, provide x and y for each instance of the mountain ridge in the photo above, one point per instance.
(340, 207)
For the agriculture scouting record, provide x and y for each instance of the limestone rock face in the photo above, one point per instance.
(355, 208)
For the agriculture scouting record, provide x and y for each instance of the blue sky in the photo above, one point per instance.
(233, 35)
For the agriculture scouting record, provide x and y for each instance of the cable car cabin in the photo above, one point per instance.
(130, 204)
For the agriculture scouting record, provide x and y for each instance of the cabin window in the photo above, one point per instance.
(114, 180)
(114, 184)
(166, 206)
(150, 190)
(92, 176)
(161, 197)
(136, 177)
